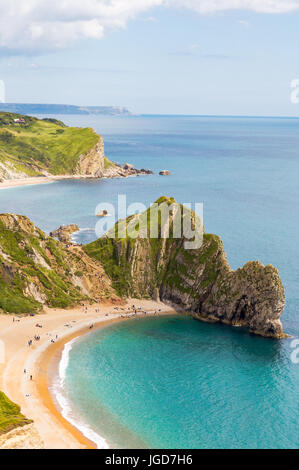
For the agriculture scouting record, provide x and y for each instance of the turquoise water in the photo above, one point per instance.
(172, 382)
(245, 171)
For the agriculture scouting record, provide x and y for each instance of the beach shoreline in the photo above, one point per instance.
(42, 361)
(36, 180)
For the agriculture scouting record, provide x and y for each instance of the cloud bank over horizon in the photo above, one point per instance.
(41, 26)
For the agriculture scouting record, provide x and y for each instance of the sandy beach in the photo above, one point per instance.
(50, 430)
(38, 180)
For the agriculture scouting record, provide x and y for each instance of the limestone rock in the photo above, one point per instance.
(92, 164)
(128, 166)
(199, 281)
(103, 213)
(63, 233)
(36, 270)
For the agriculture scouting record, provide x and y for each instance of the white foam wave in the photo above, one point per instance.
(66, 410)
(87, 229)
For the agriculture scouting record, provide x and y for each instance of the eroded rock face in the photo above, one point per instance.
(92, 164)
(198, 281)
(63, 233)
(95, 165)
(36, 270)
(203, 283)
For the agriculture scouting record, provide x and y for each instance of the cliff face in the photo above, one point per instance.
(33, 147)
(37, 270)
(198, 281)
(64, 232)
(92, 163)
(10, 416)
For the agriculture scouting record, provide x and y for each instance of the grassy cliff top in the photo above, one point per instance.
(10, 415)
(38, 145)
(36, 270)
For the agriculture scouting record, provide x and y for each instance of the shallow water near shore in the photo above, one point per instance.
(173, 382)
(245, 171)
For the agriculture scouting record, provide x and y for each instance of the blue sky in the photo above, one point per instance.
(164, 60)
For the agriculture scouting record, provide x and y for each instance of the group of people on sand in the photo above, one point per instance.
(35, 337)
(85, 309)
(136, 310)
(30, 376)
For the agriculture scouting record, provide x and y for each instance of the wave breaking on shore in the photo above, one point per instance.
(58, 391)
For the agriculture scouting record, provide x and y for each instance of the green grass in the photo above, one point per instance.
(10, 415)
(170, 268)
(105, 251)
(108, 164)
(19, 268)
(43, 144)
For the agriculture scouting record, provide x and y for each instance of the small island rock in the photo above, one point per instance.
(102, 213)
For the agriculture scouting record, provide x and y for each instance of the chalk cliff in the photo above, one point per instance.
(45, 147)
(36, 270)
(198, 281)
(92, 163)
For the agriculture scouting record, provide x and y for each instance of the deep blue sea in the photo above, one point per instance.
(176, 382)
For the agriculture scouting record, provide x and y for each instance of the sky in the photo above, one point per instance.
(208, 57)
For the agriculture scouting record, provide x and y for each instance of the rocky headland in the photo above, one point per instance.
(64, 232)
(199, 281)
(31, 147)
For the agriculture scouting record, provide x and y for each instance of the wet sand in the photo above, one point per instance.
(41, 361)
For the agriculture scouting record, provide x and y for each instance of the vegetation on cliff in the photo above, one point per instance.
(10, 415)
(196, 280)
(37, 270)
(44, 147)
(32, 146)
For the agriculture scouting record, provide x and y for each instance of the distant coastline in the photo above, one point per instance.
(44, 108)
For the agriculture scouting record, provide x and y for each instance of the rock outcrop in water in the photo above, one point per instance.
(63, 233)
(198, 281)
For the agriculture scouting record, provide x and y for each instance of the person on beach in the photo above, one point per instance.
(24, 371)
(30, 377)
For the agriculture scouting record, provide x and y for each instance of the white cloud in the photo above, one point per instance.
(260, 6)
(244, 23)
(151, 19)
(44, 24)
(47, 24)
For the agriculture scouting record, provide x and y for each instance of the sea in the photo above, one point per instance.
(173, 382)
